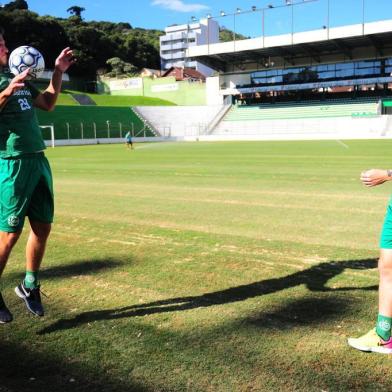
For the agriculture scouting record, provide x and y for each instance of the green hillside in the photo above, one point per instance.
(111, 100)
(65, 98)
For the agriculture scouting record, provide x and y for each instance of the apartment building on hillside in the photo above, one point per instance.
(179, 38)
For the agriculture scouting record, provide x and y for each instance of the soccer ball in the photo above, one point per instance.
(25, 57)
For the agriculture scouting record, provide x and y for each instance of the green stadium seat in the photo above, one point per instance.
(310, 109)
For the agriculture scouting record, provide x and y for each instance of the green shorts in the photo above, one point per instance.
(386, 232)
(26, 189)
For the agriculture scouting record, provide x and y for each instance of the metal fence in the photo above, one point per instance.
(172, 129)
(93, 130)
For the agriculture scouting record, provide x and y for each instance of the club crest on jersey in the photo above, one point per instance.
(13, 220)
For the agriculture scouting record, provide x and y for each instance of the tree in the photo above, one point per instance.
(16, 5)
(121, 68)
(93, 42)
(226, 35)
(76, 10)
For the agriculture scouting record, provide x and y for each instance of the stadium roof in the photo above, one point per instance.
(352, 42)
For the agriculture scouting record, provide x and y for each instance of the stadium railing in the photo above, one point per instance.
(92, 122)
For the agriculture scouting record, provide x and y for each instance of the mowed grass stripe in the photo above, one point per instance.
(148, 188)
(297, 204)
(205, 267)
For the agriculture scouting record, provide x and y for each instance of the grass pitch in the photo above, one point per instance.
(204, 267)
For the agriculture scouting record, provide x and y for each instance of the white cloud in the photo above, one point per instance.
(179, 5)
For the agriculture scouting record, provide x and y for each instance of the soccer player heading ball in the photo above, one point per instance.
(379, 339)
(26, 188)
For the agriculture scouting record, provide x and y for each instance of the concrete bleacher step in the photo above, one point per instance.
(147, 124)
(179, 120)
(83, 99)
(294, 111)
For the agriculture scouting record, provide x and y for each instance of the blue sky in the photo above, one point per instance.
(157, 14)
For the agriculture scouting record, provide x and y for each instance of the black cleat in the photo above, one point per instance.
(32, 298)
(5, 314)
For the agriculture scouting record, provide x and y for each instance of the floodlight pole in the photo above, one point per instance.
(328, 20)
(234, 30)
(292, 23)
(208, 33)
(292, 3)
(363, 17)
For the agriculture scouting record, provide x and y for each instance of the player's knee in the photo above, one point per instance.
(41, 230)
(8, 240)
(385, 265)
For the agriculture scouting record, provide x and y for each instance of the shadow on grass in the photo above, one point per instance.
(82, 267)
(27, 371)
(76, 268)
(302, 312)
(314, 278)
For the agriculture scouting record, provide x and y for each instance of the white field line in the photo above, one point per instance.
(343, 144)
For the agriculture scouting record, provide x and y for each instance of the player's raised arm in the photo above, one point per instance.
(16, 83)
(375, 177)
(48, 98)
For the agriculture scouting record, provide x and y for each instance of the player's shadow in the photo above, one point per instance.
(314, 278)
(300, 312)
(82, 267)
(74, 269)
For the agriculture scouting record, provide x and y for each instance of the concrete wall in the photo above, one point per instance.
(339, 128)
(309, 128)
(213, 97)
(180, 93)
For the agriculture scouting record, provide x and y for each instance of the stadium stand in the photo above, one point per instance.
(307, 128)
(326, 83)
(172, 121)
(334, 82)
(361, 108)
(337, 118)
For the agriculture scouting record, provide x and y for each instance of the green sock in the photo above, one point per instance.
(31, 279)
(383, 327)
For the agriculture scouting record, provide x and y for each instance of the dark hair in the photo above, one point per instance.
(1, 30)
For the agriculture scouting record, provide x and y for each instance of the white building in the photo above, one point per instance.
(178, 38)
(358, 55)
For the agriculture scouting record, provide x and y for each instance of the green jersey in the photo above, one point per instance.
(19, 130)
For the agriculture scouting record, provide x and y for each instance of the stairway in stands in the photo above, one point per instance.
(83, 99)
